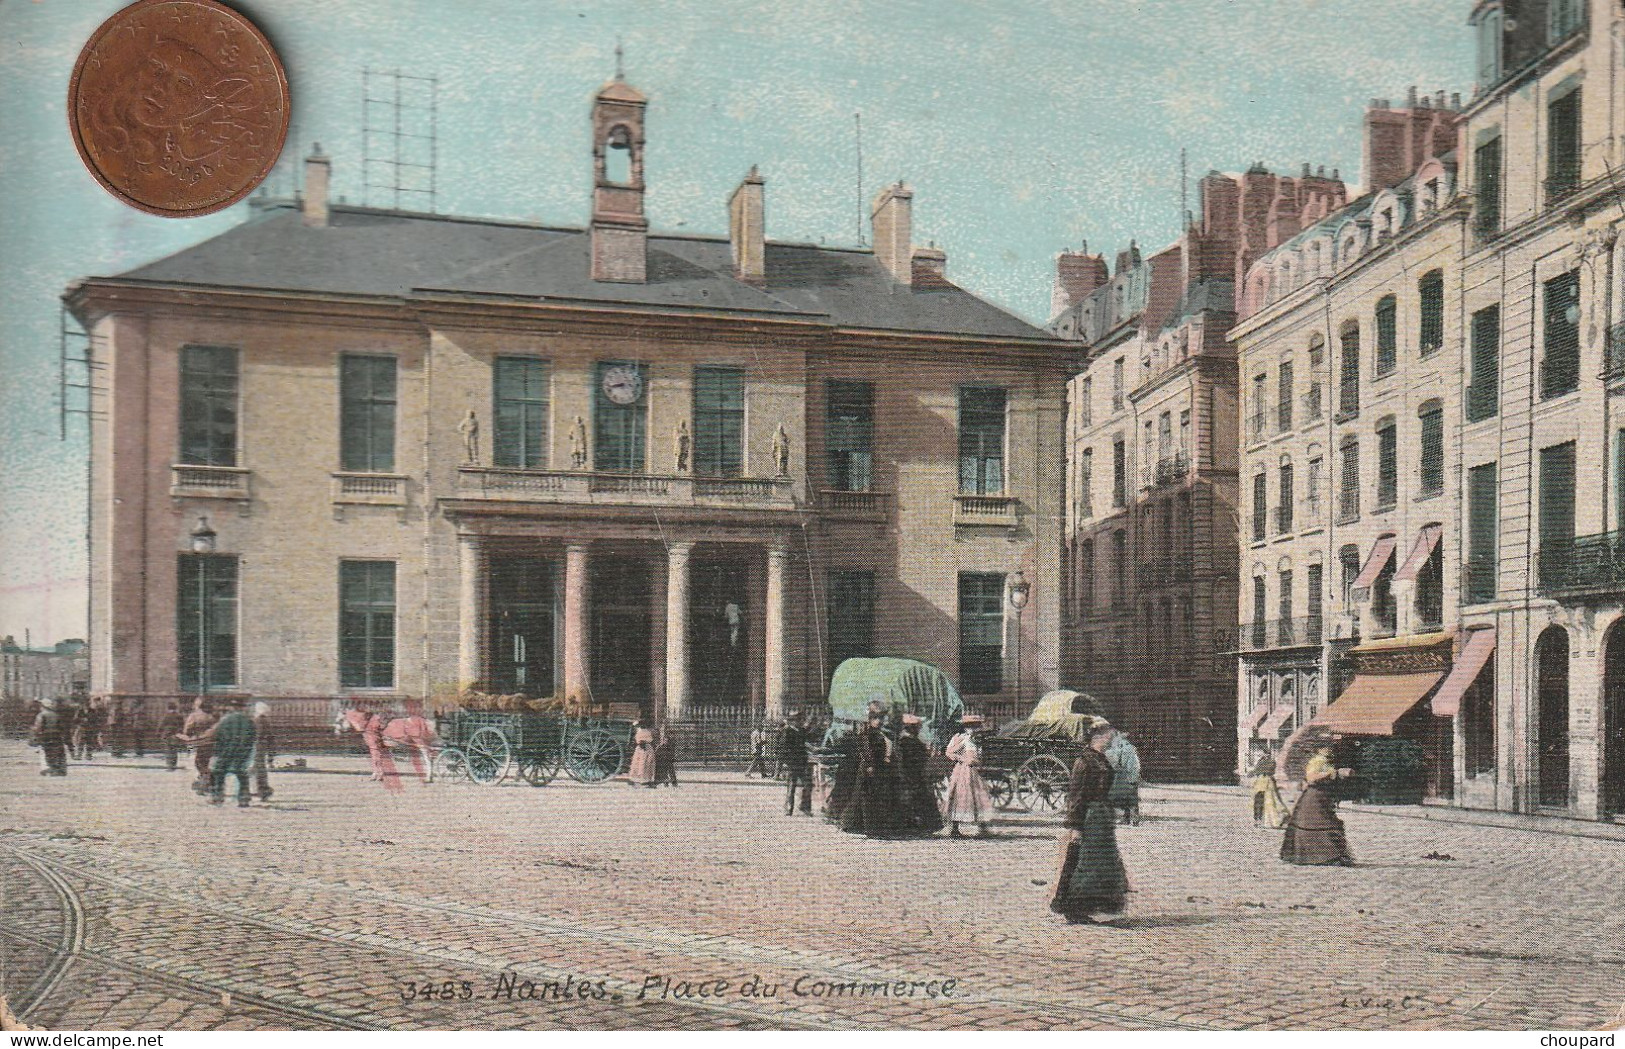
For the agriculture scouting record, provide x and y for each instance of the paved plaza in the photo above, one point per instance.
(131, 903)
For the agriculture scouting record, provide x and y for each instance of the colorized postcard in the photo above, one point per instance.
(836, 516)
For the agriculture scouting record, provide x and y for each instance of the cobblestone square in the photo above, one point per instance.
(131, 903)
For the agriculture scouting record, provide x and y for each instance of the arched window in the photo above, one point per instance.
(1430, 312)
(1552, 685)
(618, 156)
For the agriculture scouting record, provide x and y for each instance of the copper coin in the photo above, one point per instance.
(178, 107)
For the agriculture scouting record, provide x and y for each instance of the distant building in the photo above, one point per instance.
(1150, 614)
(31, 674)
(649, 471)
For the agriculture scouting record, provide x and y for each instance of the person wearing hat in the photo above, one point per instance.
(917, 805)
(1092, 880)
(46, 734)
(195, 730)
(792, 748)
(264, 750)
(872, 810)
(232, 738)
(968, 800)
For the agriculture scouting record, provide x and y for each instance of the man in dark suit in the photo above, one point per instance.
(793, 760)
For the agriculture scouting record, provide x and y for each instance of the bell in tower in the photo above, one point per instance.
(620, 231)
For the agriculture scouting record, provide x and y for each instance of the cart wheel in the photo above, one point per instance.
(1003, 790)
(539, 772)
(488, 756)
(1041, 783)
(593, 756)
(451, 765)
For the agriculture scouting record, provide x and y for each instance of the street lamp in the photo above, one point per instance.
(1019, 589)
(203, 538)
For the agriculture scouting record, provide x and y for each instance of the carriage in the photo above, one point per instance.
(900, 686)
(1029, 763)
(487, 746)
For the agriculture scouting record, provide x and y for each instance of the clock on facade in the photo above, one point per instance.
(623, 384)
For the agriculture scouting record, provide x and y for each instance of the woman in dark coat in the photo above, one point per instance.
(1314, 833)
(917, 791)
(1092, 880)
(873, 808)
(842, 790)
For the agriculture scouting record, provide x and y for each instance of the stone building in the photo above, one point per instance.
(1349, 344)
(364, 453)
(1151, 494)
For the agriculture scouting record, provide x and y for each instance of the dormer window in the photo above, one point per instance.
(1490, 33)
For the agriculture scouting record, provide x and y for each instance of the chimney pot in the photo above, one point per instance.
(892, 220)
(747, 228)
(318, 175)
(929, 266)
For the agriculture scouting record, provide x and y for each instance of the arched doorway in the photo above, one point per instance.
(1552, 697)
(1613, 721)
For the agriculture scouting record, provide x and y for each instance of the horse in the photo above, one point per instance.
(382, 734)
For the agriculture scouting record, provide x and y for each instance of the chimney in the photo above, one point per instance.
(929, 266)
(1385, 151)
(747, 229)
(318, 173)
(1076, 275)
(893, 221)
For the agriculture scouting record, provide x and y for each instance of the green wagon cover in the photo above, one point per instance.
(898, 685)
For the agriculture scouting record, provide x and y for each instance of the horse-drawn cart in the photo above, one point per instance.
(1029, 763)
(898, 686)
(486, 746)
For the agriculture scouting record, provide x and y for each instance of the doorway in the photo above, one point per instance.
(1552, 695)
(520, 628)
(1613, 723)
(719, 632)
(622, 624)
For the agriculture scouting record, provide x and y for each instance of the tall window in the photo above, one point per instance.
(1283, 604)
(1119, 568)
(1560, 367)
(1348, 398)
(1119, 473)
(206, 621)
(1314, 484)
(520, 398)
(1490, 30)
(1562, 145)
(1384, 609)
(1283, 400)
(1562, 18)
(1430, 312)
(619, 417)
(849, 429)
(520, 623)
(719, 421)
(1312, 397)
(1086, 397)
(1165, 436)
(1086, 483)
(1482, 516)
(1348, 563)
(1487, 187)
(1431, 476)
(1086, 576)
(1117, 385)
(1260, 601)
(1484, 386)
(1387, 322)
(981, 440)
(208, 406)
(367, 423)
(1556, 513)
(1260, 506)
(366, 624)
(1260, 408)
(1315, 584)
(1348, 503)
(1283, 520)
(1185, 434)
(1430, 590)
(1387, 464)
(851, 616)
(981, 632)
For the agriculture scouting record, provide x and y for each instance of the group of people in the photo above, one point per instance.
(87, 725)
(1315, 835)
(654, 757)
(883, 786)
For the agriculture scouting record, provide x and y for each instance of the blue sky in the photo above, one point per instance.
(1023, 128)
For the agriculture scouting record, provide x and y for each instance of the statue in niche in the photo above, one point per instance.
(470, 429)
(781, 452)
(578, 444)
(683, 444)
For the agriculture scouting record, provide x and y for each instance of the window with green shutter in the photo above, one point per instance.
(1348, 504)
(1557, 514)
(1560, 365)
(1387, 324)
(1431, 476)
(366, 624)
(1348, 402)
(1482, 496)
(981, 633)
(1260, 506)
(1487, 187)
(1484, 385)
(719, 421)
(208, 422)
(1562, 146)
(206, 621)
(1430, 312)
(519, 407)
(1387, 464)
(367, 423)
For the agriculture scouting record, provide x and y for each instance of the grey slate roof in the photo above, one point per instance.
(393, 254)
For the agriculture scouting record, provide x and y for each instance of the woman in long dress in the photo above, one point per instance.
(1314, 833)
(968, 800)
(1092, 880)
(917, 796)
(642, 770)
(1268, 808)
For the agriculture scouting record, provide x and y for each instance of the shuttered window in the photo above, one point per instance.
(519, 398)
(366, 624)
(1119, 473)
(981, 440)
(1260, 599)
(719, 421)
(1432, 464)
(1563, 147)
(1387, 465)
(1283, 421)
(1348, 402)
(1260, 506)
(981, 633)
(367, 416)
(1487, 187)
(208, 406)
(1484, 386)
(206, 621)
(1348, 561)
(1348, 507)
(1430, 313)
(1283, 602)
(1315, 598)
(1556, 512)
(1283, 522)
(1482, 491)
(1387, 323)
(849, 435)
(1560, 365)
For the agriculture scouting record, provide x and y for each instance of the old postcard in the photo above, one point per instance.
(830, 516)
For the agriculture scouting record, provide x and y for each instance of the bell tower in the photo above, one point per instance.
(620, 232)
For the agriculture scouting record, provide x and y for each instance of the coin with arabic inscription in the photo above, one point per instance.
(178, 107)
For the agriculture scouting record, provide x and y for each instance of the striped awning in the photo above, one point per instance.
(1420, 553)
(1278, 717)
(1475, 653)
(1258, 714)
(1374, 703)
(1374, 563)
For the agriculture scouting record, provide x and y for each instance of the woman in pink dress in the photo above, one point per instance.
(968, 800)
(642, 770)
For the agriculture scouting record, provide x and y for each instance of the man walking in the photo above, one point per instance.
(170, 726)
(47, 735)
(136, 725)
(1125, 792)
(264, 752)
(232, 741)
(758, 751)
(793, 759)
(195, 730)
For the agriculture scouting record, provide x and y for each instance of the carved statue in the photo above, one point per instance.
(781, 451)
(578, 444)
(470, 429)
(683, 443)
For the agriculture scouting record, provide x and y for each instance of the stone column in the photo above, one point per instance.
(677, 629)
(575, 621)
(470, 612)
(773, 635)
